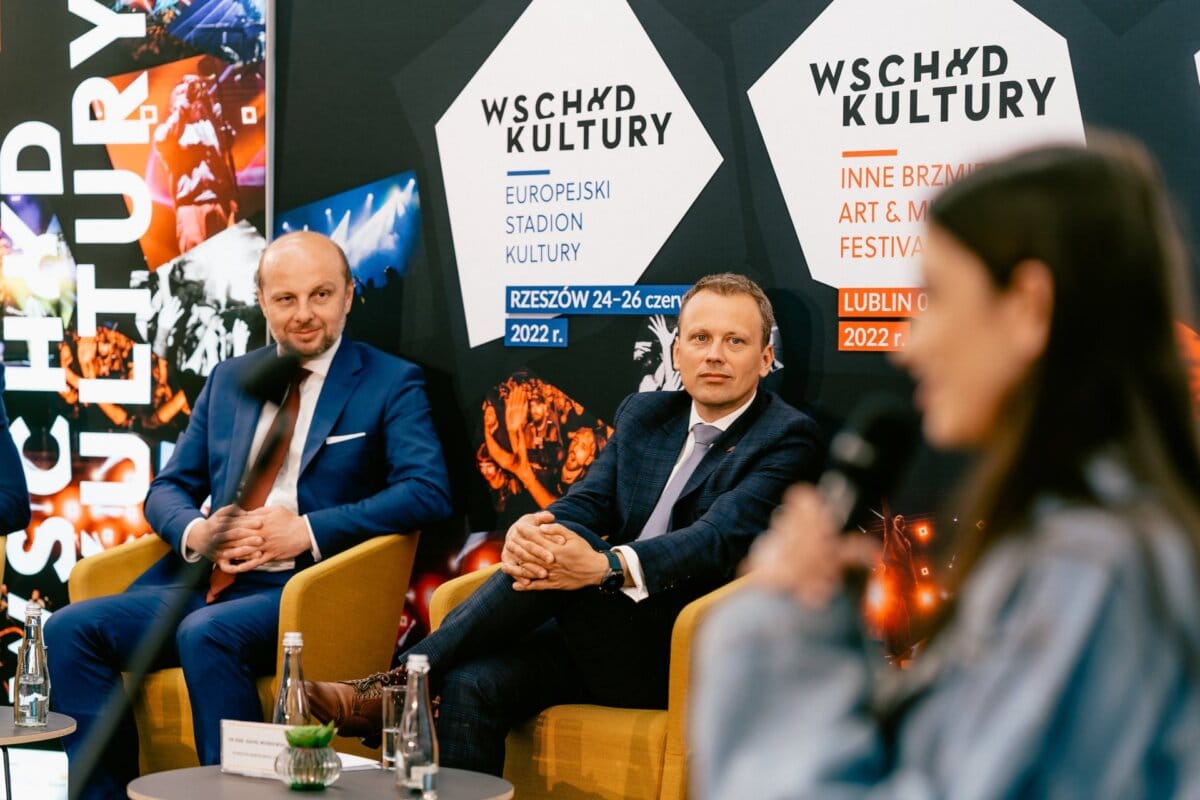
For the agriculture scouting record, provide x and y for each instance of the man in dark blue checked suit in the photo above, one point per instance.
(582, 609)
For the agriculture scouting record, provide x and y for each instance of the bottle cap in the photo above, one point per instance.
(293, 639)
(418, 661)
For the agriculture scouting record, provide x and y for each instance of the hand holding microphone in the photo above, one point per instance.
(803, 553)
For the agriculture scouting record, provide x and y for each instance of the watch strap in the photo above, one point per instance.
(615, 578)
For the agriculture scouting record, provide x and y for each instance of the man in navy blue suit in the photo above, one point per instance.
(14, 496)
(582, 609)
(360, 459)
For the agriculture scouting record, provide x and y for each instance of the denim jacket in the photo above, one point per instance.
(1068, 671)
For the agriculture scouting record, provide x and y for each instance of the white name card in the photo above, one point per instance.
(250, 748)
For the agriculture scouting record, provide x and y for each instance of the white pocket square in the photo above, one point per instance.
(345, 437)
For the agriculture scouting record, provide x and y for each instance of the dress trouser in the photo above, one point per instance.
(223, 648)
(502, 656)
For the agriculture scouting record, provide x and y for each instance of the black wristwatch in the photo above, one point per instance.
(614, 579)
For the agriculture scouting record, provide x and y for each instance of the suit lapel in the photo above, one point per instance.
(335, 392)
(724, 445)
(660, 452)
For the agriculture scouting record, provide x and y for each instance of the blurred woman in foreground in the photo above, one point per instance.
(1067, 667)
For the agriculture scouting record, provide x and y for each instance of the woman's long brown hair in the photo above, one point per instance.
(1111, 379)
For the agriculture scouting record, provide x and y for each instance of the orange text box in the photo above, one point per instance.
(880, 302)
(872, 337)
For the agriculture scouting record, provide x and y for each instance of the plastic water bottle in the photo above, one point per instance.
(291, 705)
(417, 754)
(33, 675)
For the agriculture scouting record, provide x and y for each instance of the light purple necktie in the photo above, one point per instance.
(660, 517)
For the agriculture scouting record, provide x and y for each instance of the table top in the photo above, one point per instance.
(209, 783)
(57, 726)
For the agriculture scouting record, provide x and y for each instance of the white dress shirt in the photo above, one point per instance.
(284, 490)
(638, 592)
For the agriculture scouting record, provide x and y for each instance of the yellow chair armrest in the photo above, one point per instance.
(675, 767)
(112, 571)
(453, 592)
(348, 607)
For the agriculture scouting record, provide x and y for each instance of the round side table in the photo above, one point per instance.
(356, 784)
(56, 727)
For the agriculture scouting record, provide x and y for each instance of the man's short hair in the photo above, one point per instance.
(731, 283)
(341, 257)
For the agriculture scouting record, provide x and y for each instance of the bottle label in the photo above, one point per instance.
(421, 776)
(32, 700)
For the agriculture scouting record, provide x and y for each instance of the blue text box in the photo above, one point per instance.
(532, 332)
(634, 300)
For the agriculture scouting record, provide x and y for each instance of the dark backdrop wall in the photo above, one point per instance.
(362, 86)
(409, 131)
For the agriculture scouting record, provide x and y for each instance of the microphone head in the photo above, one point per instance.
(868, 456)
(268, 380)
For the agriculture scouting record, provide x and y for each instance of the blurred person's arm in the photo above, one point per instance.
(1051, 657)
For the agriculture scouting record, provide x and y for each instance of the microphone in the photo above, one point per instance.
(268, 382)
(867, 457)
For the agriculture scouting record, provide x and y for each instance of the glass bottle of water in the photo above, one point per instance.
(417, 753)
(291, 705)
(33, 675)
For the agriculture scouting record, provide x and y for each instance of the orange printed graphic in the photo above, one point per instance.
(868, 153)
(872, 336)
(884, 246)
(881, 302)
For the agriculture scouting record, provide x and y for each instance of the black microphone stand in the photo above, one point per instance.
(193, 575)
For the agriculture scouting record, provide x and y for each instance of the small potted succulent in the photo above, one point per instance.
(308, 762)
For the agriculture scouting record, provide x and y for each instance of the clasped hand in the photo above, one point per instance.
(239, 541)
(541, 554)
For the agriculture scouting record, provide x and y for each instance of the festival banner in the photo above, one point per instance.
(568, 159)
(526, 188)
(132, 157)
(877, 106)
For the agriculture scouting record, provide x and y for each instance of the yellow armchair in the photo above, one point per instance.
(348, 630)
(588, 752)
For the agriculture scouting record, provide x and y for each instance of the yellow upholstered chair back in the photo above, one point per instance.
(347, 606)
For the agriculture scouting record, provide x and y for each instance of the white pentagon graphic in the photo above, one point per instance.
(599, 213)
(834, 172)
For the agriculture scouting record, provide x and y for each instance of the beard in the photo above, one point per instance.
(311, 349)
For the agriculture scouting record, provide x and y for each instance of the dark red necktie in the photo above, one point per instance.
(283, 426)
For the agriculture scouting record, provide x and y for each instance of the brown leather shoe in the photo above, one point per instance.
(356, 706)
